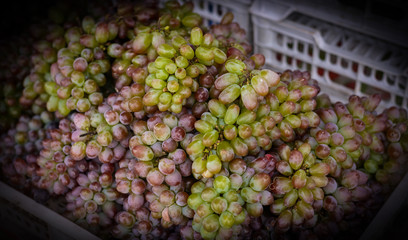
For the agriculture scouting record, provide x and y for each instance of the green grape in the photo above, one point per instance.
(194, 201)
(162, 61)
(204, 210)
(260, 85)
(210, 138)
(214, 164)
(246, 117)
(249, 195)
(211, 223)
(52, 103)
(226, 219)
(225, 151)
(171, 68)
(226, 80)
(173, 86)
(232, 114)
(165, 98)
(229, 94)
(217, 108)
(206, 116)
(158, 84)
(205, 54)
(219, 205)
(230, 132)
(162, 74)
(208, 194)
(249, 97)
(219, 56)
(142, 42)
(161, 131)
(177, 41)
(166, 50)
(186, 51)
(196, 37)
(191, 20)
(222, 184)
(195, 147)
(152, 97)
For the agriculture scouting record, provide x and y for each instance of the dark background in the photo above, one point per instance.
(15, 16)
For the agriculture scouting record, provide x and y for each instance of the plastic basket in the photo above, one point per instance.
(212, 12)
(24, 218)
(381, 225)
(383, 19)
(344, 61)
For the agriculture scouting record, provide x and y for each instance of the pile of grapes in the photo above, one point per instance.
(151, 126)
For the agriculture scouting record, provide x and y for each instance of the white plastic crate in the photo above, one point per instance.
(383, 19)
(212, 12)
(382, 223)
(344, 61)
(24, 218)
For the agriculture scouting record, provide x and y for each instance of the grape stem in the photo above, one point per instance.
(88, 133)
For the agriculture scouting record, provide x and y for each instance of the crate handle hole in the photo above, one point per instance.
(402, 84)
(344, 63)
(333, 58)
(310, 51)
(201, 5)
(390, 80)
(354, 67)
(279, 39)
(367, 71)
(320, 72)
(308, 67)
(300, 47)
(289, 60)
(219, 10)
(333, 76)
(278, 57)
(289, 44)
(379, 75)
(299, 63)
(322, 55)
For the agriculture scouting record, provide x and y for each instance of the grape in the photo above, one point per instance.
(166, 166)
(155, 126)
(178, 134)
(222, 184)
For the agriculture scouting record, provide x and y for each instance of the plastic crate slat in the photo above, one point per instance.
(50, 217)
(390, 208)
(368, 22)
(326, 33)
(208, 9)
(302, 57)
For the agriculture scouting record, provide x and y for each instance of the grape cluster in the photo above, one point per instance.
(224, 202)
(21, 146)
(299, 187)
(149, 125)
(93, 203)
